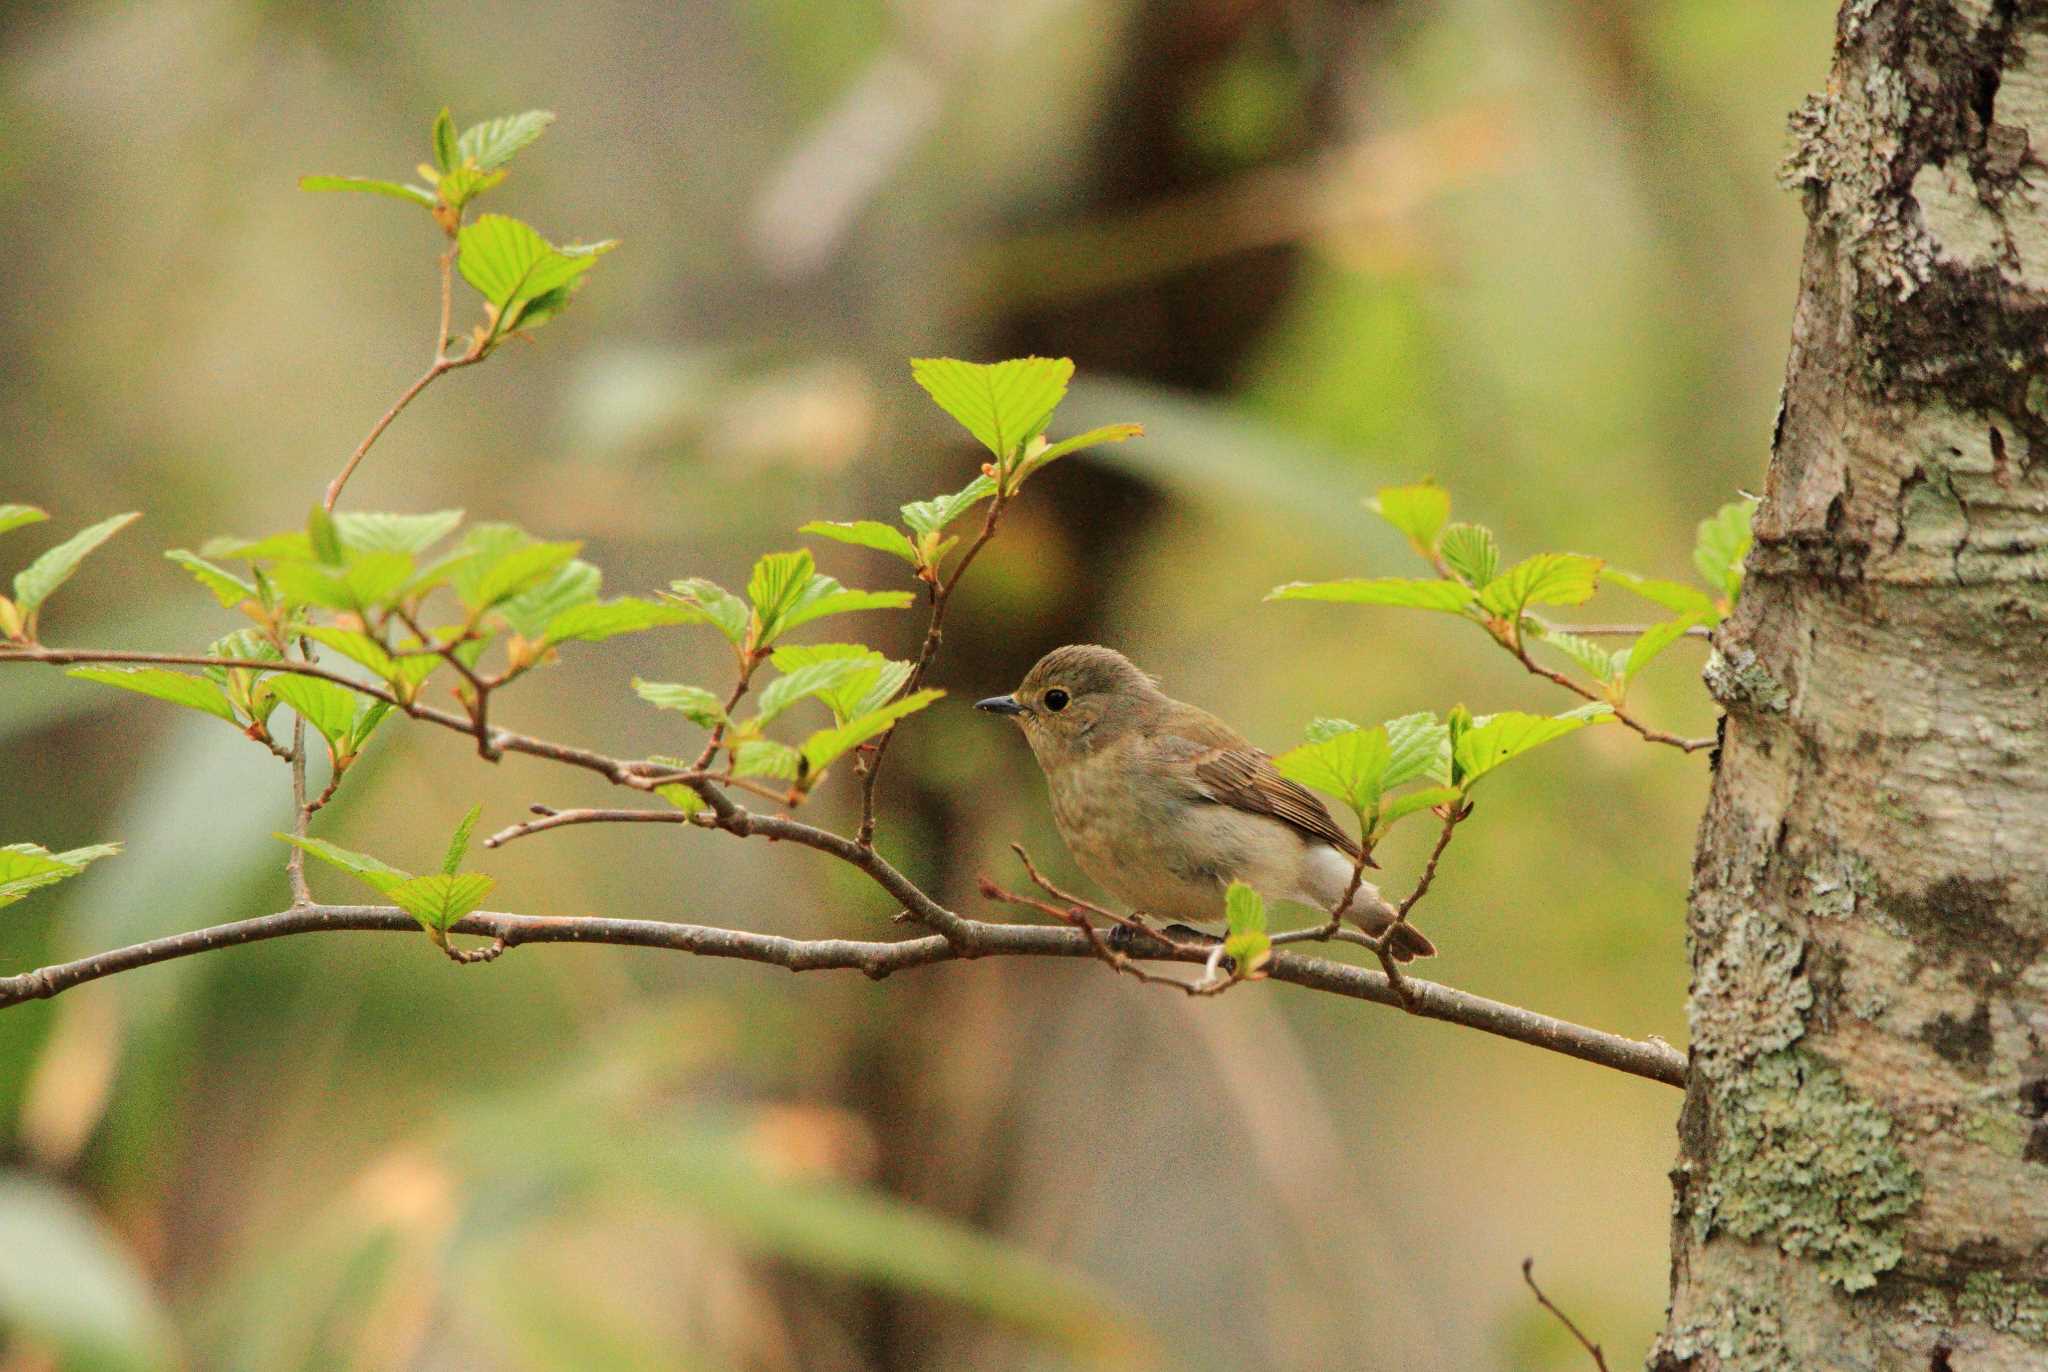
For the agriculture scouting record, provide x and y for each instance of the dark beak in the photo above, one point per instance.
(1000, 705)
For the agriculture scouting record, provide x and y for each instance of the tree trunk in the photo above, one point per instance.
(1863, 1170)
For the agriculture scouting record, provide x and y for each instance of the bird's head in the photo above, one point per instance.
(1077, 698)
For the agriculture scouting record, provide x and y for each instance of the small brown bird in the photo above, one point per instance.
(1165, 805)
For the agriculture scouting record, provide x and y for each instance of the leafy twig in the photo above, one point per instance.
(1513, 643)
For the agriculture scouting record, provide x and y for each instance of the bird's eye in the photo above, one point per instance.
(1055, 700)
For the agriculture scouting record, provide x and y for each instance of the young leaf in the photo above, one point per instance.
(1655, 640)
(827, 745)
(1596, 660)
(930, 516)
(1323, 727)
(503, 562)
(512, 265)
(1722, 545)
(291, 546)
(697, 705)
(1491, 740)
(357, 647)
(777, 580)
(382, 875)
(1351, 765)
(593, 621)
(418, 195)
(572, 586)
(447, 155)
(465, 184)
(807, 680)
(34, 583)
(369, 714)
(439, 899)
(1003, 404)
(764, 757)
(1247, 944)
(874, 681)
(323, 536)
(26, 867)
(1419, 511)
(1094, 438)
(715, 605)
(194, 693)
(1545, 579)
(229, 589)
(411, 534)
(459, 843)
(329, 708)
(14, 516)
(1470, 551)
(1448, 596)
(1418, 745)
(1672, 595)
(825, 596)
(491, 144)
(865, 533)
(1398, 808)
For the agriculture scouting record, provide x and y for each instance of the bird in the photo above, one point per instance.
(1164, 805)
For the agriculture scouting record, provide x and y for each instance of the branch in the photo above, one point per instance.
(1513, 643)
(1650, 1059)
(426, 379)
(1528, 1275)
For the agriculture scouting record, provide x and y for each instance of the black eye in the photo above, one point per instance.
(1055, 700)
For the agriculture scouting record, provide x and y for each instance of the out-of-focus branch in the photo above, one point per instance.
(1593, 1349)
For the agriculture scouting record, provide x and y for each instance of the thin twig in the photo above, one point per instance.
(556, 819)
(1512, 642)
(302, 814)
(1528, 1275)
(1626, 630)
(427, 378)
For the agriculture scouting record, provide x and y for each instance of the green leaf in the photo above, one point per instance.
(1448, 596)
(594, 621)
(14, 516)
(930, 516)
(1094, 438)
(1672, 595)
(1003, 404)
(715, 605)
(697, 705)
(1246, 944)
(1350, 764)
(1398, 808)
(808, 680)
(323, 536)
(411, 534)
(465, 184)
(194, 693)
(1655, 640)
(382, 875)
(512, 265)
(34, 583)
(291, 545)
(229, 589)
(865, 533)
(459, 844)
(1419, 511)
(573, 586)
(329, 708)
(439, 899)
(506, 562)
(447, 153)
(369, 582)
(418, 195)
(827, 745)
(1722, 545)
(491, 144)
(1596, 660)
(874, 682)
(1323, 727)
(764, 757)
(357, 647)
(1418, 745)
(369, 714)
(1493, 739)
(26, 867)
(777, 580)
(1545, 579)
(825, 596)
(1470, 551)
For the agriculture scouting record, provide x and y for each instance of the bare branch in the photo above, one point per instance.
(1650, 1059)
(427, 378)
(1528, 1275)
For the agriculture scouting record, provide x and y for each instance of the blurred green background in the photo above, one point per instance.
(1534, 250)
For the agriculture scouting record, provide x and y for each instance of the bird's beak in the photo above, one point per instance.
(1000, 705)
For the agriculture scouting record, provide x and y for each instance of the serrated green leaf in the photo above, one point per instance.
(805, 681)
(1420, 511)
(930, 516)
(34, 583)
(370, 713)
(1350, 764)
(865, 533)
(777, 580)
(511, 265)
(291, 546)
(357, 647)
(14, 516)
(717, 606)
(1470, 551)
(1397, 808)
(459, 843)
(1654, 640)
(1247, 944)
(874, 682)
(826, 746)
(1493, 739)
(323, 537)
(465, 184)
(1418, 745)
(491, 144)
(194, 693)
(1094, 438)
(574, 586)
(596, 621)
(381, 875)
(329, 708)
(503, 562)
(825, 596)
(1722, 545)
(418, 195)
(1672, 595)
(764, 757)
(696, 704)
(1447, 596)
(439, 899)
(411, 534)
(1003, 404)
(447, 152)
(229, 589)
(1323, 727)
(1596, 660)
(1545, 579)
(26, 867)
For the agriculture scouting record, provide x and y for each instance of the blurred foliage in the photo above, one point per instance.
(1533, 252)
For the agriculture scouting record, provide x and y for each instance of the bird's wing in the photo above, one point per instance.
(1229, 771)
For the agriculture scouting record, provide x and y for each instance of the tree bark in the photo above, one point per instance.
(1862, 1180)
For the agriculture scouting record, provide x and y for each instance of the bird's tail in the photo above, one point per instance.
(1370, 911)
